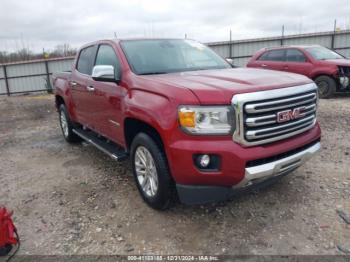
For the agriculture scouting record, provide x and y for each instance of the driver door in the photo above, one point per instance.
(108, 97)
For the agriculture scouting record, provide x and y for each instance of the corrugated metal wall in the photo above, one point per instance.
(30, 76)
(242, 50)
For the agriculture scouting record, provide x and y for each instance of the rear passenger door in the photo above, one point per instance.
(272, 59)
(297, 62)
(83, 102)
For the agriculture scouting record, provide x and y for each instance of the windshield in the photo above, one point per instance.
(322, 53)
(166, 56)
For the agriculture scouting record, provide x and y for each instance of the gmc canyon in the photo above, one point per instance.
(193, 126)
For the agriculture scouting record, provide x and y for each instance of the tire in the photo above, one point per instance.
(160, 193)
(326, 86)
(67, 126)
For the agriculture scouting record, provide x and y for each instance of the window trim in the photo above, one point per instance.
(272, 50)
(306, 58)
(81, 50)
(116, 55)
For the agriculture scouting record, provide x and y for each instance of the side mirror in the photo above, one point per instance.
(230, 61)
(104, 73)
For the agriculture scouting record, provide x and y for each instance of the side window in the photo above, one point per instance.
(294, 55)
(264, 56)
(86, 60)
(273, 55)
(107, 56)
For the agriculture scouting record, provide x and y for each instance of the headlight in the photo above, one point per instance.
(214, 120)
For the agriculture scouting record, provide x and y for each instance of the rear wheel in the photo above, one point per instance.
(326, 86)
(67, 126)
(151, 172)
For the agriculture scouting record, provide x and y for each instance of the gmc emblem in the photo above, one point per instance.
(288, 115)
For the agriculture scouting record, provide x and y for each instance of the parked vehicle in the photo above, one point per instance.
(330, 70)
(192, 125)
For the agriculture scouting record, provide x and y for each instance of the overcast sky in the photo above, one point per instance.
(41, 24)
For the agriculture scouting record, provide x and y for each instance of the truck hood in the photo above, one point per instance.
(339, 62)
(218, 86)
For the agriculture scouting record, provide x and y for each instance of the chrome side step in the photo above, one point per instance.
(109, 148)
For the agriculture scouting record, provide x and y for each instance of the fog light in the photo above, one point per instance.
(207, 162)
(204, 160)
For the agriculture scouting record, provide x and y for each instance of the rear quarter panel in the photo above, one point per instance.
(61, 88)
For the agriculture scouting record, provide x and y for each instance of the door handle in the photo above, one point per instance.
(263, 65)
(90, 88)
(73, 83)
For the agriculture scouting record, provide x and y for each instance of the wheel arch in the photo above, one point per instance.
(323, 74)
(59, 101)
(134, 126)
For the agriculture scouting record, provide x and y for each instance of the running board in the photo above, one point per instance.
(110, 148)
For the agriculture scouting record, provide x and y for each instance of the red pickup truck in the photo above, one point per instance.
(193, 126)
(330, 70)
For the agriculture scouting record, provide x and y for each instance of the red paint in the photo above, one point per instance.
(7, 229)
(310, 68)
(154, 99)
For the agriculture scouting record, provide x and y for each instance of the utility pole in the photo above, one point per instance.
(115, 35)
(185, 36)
(282, 36)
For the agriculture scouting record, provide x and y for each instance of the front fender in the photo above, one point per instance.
(154, 109)
(330, 71)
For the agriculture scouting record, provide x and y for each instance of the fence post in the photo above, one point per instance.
(282, 36)
(230, 45)
(6, 81)
(48, 82)
(333, 35)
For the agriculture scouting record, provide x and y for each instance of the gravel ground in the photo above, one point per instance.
(75, 200)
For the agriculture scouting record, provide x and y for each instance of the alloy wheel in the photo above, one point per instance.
(146, 171)
(64, 124)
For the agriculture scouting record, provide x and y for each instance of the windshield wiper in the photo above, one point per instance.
(153, 73)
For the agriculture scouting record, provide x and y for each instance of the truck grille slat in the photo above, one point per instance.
(280, 130)
(282, 104)
(258, 115)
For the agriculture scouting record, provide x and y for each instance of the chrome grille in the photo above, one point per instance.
(256, 114)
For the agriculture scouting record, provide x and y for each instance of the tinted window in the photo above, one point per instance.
(273, 55)
(170, 55)
(107, 56)
(264, 56)
(86, 60)
(294, 55)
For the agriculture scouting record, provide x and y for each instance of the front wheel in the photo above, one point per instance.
(326, 86)
(151, 172)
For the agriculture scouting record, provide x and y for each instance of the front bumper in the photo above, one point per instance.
(255, 177)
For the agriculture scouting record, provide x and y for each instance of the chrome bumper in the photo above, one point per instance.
(282, 166)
